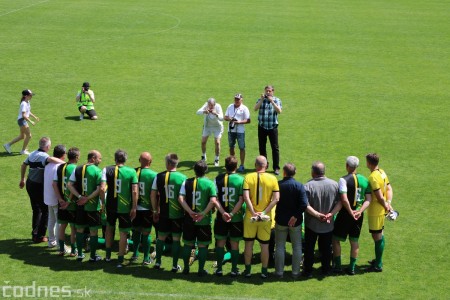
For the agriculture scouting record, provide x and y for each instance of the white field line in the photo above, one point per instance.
(25, 7)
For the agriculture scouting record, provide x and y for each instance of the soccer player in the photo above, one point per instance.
(67, 206)
(229, 194)
(269, 108)
(142, 224)
(197, 197)
(238, 115)
(261, 194)
(120, 184)
(167, 211)
(354, 191)
(212, 125)
(84, 184)
(380, 205)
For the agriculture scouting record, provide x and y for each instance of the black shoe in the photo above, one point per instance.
(176, 269)
(372, 262)
(350, 272)
(186, 271)
(96, 258)
(307, 275)
(374, 269)
(202, 273)
(218, 273)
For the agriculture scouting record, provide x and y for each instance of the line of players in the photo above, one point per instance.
(139, 198)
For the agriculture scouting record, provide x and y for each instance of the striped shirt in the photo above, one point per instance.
(37, 161)
(267, 115)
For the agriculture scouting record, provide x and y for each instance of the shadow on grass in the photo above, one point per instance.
(72, 118)
(6, 154)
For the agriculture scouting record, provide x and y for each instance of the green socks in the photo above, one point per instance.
(93, 242)
(108, 253)
(146, 240)
(337, 262)
(136, 242)
(352, 263)
(234, 259)
(159, 250)
(220, 253)
(202, 254)
(176, 245)
(379, 249)
(80, 240)
(61, 245)
(186, 256)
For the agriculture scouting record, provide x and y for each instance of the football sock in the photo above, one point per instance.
(176, 245)
(202, 254)
(74, 248)
(61, 245)
(248, 269)
(108, 252)
(379, 248)
(120, 259)
(159, 250)
(337, 262)
(220, 251)
(146, 240)
(186, 255)
(264, 270)
(80, 240)
(136, 242)
(93, 242)
(234, 259)
(352, 263)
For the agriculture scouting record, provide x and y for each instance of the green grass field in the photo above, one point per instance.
(354, 77)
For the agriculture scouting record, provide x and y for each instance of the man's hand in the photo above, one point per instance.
(155, 217)
(133, 213)
(63, 205)
(292, 221)
(226, 217)
(22, 184)
(82, 200)
(356, 214)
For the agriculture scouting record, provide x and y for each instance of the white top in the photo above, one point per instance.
(239, 113)
(25, 107)
(211, 120)
(50, 197)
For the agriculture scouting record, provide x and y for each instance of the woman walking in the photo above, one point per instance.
(22, 120)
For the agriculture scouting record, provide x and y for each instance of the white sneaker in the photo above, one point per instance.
(7, 148)
(25, 152)
(204, 157)
(81, 116)
(52, 244)
(216, 163)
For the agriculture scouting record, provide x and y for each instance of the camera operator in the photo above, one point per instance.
(85, 102)
(238, 115)
(269, 108)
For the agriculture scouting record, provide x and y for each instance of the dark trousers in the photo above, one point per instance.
(273, 138)
(40, 210)
(324, 249)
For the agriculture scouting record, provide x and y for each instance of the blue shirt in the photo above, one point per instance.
(293, 202)
(267, 115)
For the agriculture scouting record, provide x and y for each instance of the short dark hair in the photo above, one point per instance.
(318, 168)
(373, 159)
(200, 168)
(172, 159)
(92, 154)
(73, 153)
(59, 151)
(231, 163)
(120, 156)
(289, 169)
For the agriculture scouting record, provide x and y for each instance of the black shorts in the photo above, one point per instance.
(345, 225)
(223, 229)
(124, 220)
(144, 220)
(91, 219)
(174, 226)
(66, 216)
(200, 233)
(91, 113)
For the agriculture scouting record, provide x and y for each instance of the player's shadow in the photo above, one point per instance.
(72, 118)
(6, 154)
(186, 165)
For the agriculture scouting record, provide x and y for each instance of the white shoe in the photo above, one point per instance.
(7, 148)
(216, 163)
(25, 152)
(81, 116)
(204, 157)
(52, 244)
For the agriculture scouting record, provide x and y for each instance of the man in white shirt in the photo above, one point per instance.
(212, 125)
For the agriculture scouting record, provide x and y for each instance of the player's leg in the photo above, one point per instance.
(325, 251)
(241, 145)
(376, 225)
(281, 233)
(263, 236)
(204, 141)
(177, 229)
(273, 138)
(250, 230)
(262, 141)
(310, 243)
(295, 234)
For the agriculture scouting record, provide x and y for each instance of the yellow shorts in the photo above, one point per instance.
(258, 230)
(376, 223)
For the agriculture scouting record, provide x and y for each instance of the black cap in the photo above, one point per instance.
(27, 93)
(86, 84)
